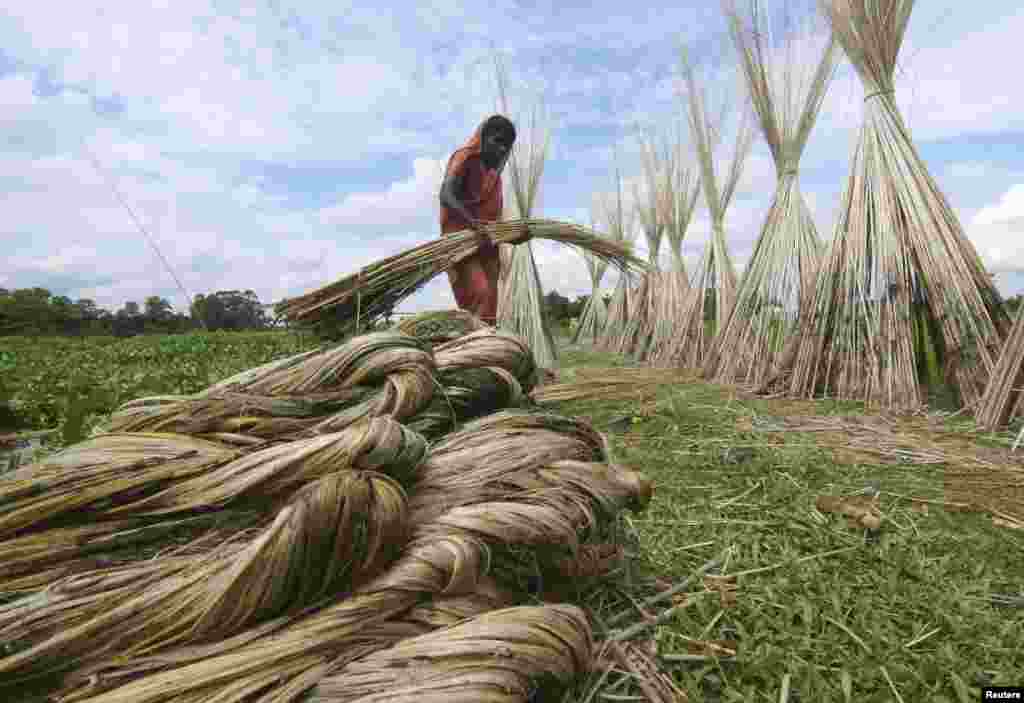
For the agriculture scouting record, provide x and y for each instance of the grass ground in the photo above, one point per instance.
(907, 616)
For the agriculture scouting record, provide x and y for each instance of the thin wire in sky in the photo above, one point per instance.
(138, 223)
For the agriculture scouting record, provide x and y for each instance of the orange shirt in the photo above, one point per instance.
(482, 186)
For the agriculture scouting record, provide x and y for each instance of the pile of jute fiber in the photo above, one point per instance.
(369, 521)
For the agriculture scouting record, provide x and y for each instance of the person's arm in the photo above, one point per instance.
(450, 190)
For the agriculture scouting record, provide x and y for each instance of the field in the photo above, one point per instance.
(929, 607)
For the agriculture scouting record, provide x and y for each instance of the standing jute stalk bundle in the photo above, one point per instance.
(336, 532)
(678, 189)
(620, 228)
(521, 299)
(715, 276)
(640, 326)
(899, 254)
(1003, 396)
(368, 294)
(780, 275)
(595, 313)
(679, 199)
(446, 556)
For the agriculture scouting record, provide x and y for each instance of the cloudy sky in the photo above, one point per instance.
(283, 146)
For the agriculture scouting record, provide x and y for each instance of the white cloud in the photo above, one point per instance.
(411, 200)
(998, 232)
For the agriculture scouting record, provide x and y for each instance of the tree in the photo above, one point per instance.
(158, 309)
(230, 310)
(556, 307)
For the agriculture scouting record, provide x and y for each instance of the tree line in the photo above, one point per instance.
(36, 311)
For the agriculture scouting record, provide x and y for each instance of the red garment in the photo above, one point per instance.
(474, 281)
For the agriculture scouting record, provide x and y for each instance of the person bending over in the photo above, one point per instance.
(471, 196)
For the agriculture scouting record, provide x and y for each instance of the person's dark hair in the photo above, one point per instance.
(499, 123)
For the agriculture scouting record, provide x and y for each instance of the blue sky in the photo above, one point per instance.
(280, 147)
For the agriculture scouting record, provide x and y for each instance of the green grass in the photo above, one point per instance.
(69, 383)
(825, 621)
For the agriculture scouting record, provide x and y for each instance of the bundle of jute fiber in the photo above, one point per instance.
(780, 275)
(490, 348)
(78, 490)
(505, 655)
(507, 441)
(479, 373)
(240, 418)
(439, 326)
(373, 375)
(465, 394)
(714, 282)
(1002, 399)
(377, 288)
(610, 384)
(36, 559)
(437, 612)
(901, 279)
(362, 360)
(98, 471)
(621, 486)
(407, 381)
(445, 556)
(335, 533)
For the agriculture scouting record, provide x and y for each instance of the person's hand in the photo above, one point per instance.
(481, 233)
(523, 238)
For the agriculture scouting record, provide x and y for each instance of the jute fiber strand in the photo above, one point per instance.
(479, 373)
(366, 295)
(521, 299)
(496, 656)
(440, 325)
(378, 444)
(105, 477)
(363, 360)
(468, 377)
(594, 315)
(84, 480)
(493, 348)
(715, 275)
(437, 612)
(70, 602)
(620, 220)
(623, 483)
(336, 532)
(255, 416)
(502, 442)
(39, 558)
(780, 275)
(899, 258)
(1002, 399)
(446, 556)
